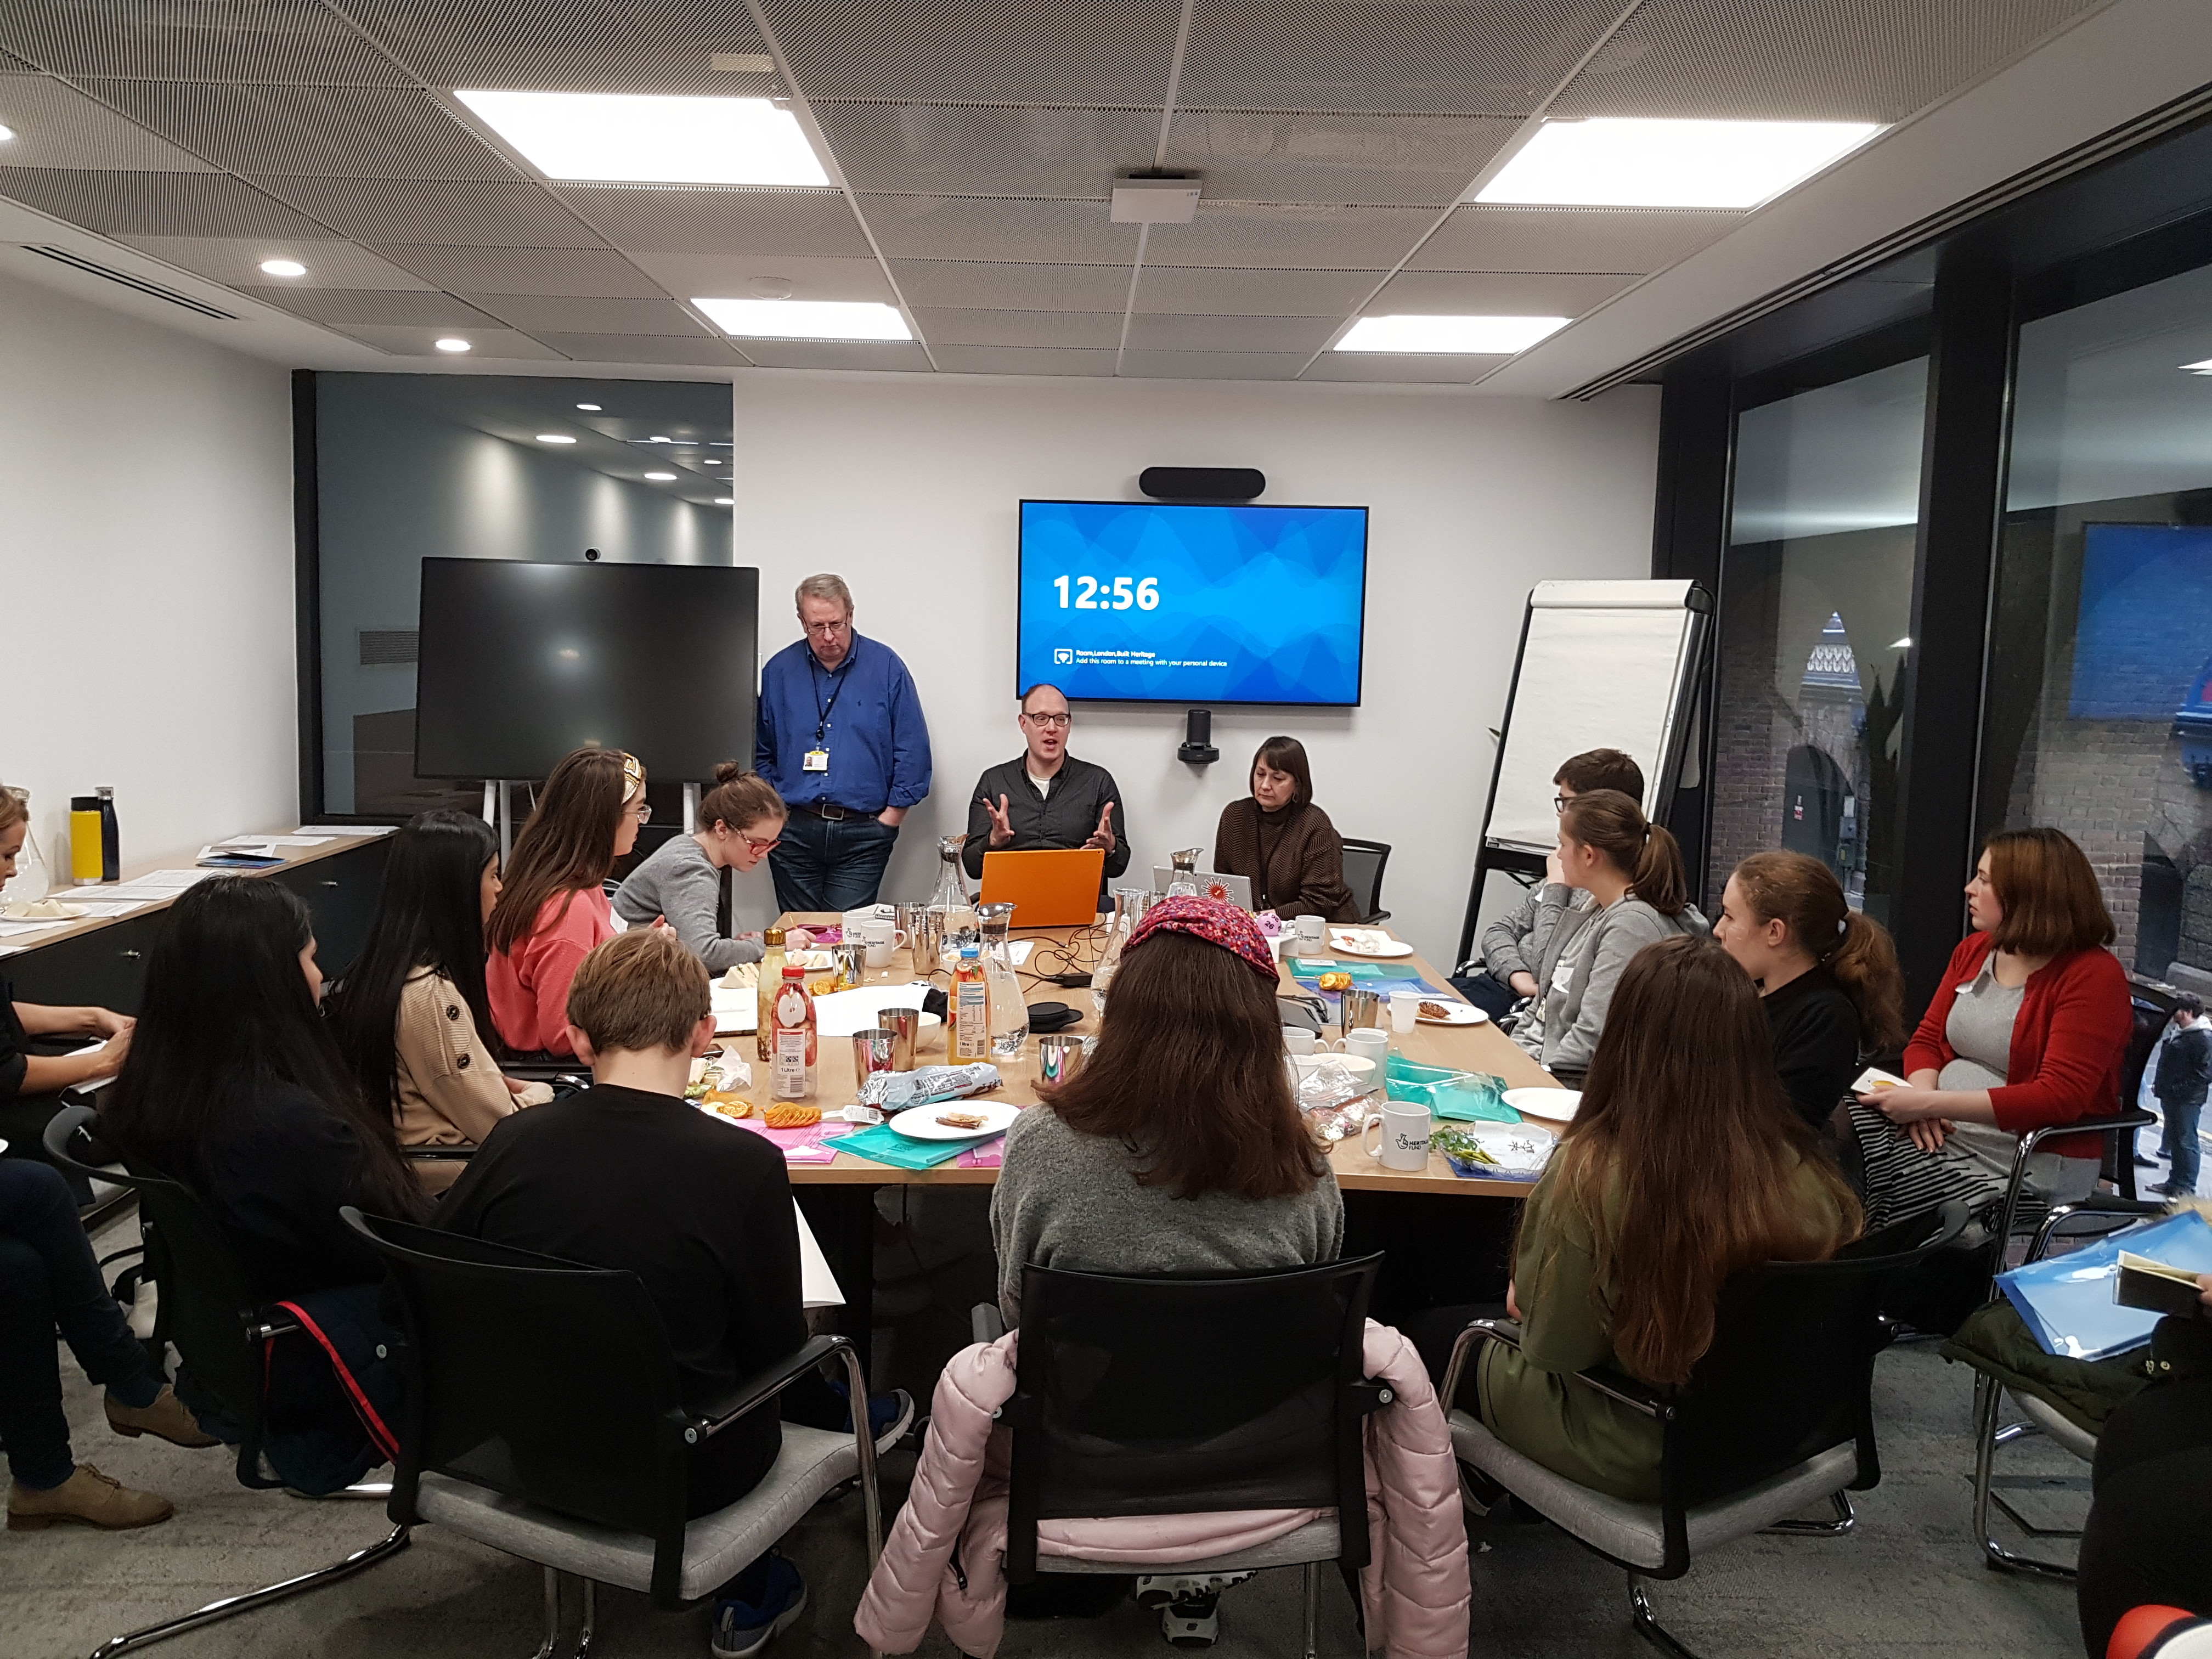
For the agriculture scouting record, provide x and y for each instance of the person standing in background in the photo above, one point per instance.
(2185, 1069)
(843, 740)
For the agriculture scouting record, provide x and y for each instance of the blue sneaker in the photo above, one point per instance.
(889, 1415)
(741, 1630)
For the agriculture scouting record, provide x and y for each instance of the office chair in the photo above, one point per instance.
(1364, 863)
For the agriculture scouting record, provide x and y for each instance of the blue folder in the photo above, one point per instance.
(2067, 1300)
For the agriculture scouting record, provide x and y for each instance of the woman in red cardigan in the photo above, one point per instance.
(2028, 1028)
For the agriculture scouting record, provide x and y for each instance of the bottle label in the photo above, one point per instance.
(788, 1075)
(972, 1033)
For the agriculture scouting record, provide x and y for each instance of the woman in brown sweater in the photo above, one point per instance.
(1286, 844)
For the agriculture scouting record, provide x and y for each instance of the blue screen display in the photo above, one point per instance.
(1146, 602)
(2143, 631)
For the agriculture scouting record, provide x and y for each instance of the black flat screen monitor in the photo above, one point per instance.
(520, 663)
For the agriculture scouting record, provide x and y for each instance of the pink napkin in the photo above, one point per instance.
(988, 1156)
(801, 1145)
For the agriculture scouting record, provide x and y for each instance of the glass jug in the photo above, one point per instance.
(1184, 881)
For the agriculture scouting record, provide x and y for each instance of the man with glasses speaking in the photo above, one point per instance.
(1045, 798)
(843, 740)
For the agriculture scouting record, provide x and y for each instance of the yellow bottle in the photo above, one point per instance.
(85, 850)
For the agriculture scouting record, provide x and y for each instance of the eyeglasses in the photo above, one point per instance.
(830, 630)
(761, 850)
(642, 811)
(1049, 720)
(1559, 802)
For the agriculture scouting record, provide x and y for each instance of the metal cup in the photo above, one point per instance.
(1356, 1008)
(1059, 1056)
(852, 963)
(910, 923)
(904, 1025)
(874, 1050)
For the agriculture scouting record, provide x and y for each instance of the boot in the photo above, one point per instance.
(88, 1496)
(166, 1418)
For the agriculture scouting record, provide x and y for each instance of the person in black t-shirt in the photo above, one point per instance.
(1828, 974)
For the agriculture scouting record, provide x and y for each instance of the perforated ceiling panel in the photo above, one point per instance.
(817, 222)
(1569, 239)
(449, 212)
(962, 149)
(972, 284)
(1291, 235)
(58, 126)
(330, 264)
(381, 307)
(834, 354)
(535, 313)
(970, 228)
(733, 275)
(665, 47)
(1271, 156)
(284, 42)
(1213, 365)
(525, 271)
(1021, 360)
(980, 51)
(1096, 331)
(701, 350)
(1495, 293)
(1169, 333)
(1198, 293)
(360, 132)
(117, 204)
(424, 342)
(1401, 367)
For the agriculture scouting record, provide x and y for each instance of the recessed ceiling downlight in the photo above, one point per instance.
(1616, 161)
(453, 343)
(282, 268)
(725, 501)
(594, 408)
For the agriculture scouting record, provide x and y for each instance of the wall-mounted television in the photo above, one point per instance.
(1167, 602)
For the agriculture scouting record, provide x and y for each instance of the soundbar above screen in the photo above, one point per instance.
(1156, 602)
(523, 662)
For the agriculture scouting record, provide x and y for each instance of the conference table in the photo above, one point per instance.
(838, 1196)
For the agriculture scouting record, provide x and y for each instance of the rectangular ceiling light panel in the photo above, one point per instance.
(1482, 336)
(806, 320)
(1615, 162)
(624, 138)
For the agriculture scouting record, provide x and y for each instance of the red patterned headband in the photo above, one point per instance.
(1216, 923)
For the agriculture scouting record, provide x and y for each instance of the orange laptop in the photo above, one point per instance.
(1047, 889)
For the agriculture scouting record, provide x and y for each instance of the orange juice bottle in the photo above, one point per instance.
(791, 1069)
(971, 1008)
(764, 985)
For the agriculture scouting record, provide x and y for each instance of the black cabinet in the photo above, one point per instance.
(341, 891)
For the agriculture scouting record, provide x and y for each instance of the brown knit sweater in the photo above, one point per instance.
(1303, 874)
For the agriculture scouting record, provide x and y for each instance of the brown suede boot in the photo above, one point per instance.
(88, 1496)
(166, 1418)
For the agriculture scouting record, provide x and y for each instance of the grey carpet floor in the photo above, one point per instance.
(1908, 1581)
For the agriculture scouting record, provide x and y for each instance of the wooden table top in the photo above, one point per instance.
(1481, 1048)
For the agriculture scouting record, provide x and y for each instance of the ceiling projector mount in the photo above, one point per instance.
(1153, 197)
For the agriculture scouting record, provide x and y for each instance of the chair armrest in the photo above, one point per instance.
(2096, 1204)
(2131, 1119)
(260, 1328)
(1496, 1330)
(1615, 1385)
(756, 1390)
(986, 1323)
(1627, 1391)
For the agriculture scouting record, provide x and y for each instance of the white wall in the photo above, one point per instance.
(907, 486)
(146, 565)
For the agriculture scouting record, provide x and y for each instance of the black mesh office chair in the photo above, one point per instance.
(208, 1312)
(542, 1419)
(1779, 1415)
(1364, 862)
(1181, 1394)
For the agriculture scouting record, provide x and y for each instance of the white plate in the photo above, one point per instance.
(1558, 1105)
(920, 1121)
(1381, 948)
(1521, 1151)
(1462, 1014)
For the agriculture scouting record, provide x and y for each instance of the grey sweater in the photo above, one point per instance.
(681, 883)
(1514, 944)
(1582, 960)
(1065, 1199)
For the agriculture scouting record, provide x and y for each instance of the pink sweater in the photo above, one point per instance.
(1414, 1589)
(527, 985)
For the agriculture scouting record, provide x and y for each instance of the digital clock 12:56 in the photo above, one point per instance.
(1092, 594)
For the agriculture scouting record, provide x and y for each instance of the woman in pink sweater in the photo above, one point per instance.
(553, 909)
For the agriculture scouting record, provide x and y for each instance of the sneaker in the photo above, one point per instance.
(166, 1418)
(2173, 1189)
(1193, 1622)
(741, 1629)
(88, 1496)
(889, 1416)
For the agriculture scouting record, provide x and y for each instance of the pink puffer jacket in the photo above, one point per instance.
(945, 1555)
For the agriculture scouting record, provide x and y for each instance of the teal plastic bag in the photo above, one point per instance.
(1459, 1096)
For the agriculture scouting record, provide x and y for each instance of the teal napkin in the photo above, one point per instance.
(881, 1144)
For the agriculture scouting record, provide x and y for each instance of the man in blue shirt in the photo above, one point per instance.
(842, 739)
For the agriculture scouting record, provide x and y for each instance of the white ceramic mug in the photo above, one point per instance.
(1405, 1010)
(1308, 931)
(1296, 1040)
(1404, 1143)
(881, 939)
(1367, 1042)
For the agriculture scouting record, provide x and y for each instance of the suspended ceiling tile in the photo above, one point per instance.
(979, 51)
(1500, 57)
(1096, 330)
(535, 313)
(58, 126)
(665, 46)
(972, 227)
(423, 343)
(594, 271)
(974, 284)
(510, 213)
(117, 204)
(357, 132)
(1163, 333)
(1633, 241)
(1275, 156)
(1211, 365)
(701, 350)
(835, 354)
(279, 41)
(810, 222)
(1208, 293)
(383, 307)
(1290, 236)
(237, 262)
(1494, 293)
(1400, 367)
(733, 275)
(1846, 60)
(1021, 360)
(965, 149)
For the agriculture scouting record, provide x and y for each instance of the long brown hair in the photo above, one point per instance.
(1189, 1074)
(1644, 852)
(1682, 1156)
(569, 845)
(2049, 892)
(1803, 894)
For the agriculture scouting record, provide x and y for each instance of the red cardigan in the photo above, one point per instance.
(2068, 1043)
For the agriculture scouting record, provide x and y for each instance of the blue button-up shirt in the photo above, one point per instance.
(866, 713)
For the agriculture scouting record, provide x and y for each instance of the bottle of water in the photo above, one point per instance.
(1110, 960)
(1008, 1011)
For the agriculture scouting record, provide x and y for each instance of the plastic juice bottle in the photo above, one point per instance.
(971, 1008)
(764, 986)
(791, 1069)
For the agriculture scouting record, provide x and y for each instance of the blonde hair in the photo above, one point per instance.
(640, 991)
(823, 584)
(14, 806)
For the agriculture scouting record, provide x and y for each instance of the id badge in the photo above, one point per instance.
(817, 760)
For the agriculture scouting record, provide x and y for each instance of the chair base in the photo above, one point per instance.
(1647, 1623)
(230, 1607)
(1846, 1519)
(552, 1646)
(1988, 1402)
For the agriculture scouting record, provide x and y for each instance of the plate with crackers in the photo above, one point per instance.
(1436, 1011)
(955, 1120)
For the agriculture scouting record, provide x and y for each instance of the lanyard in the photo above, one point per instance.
(822, 710)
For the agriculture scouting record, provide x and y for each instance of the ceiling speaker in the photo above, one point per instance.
(1201, 483)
